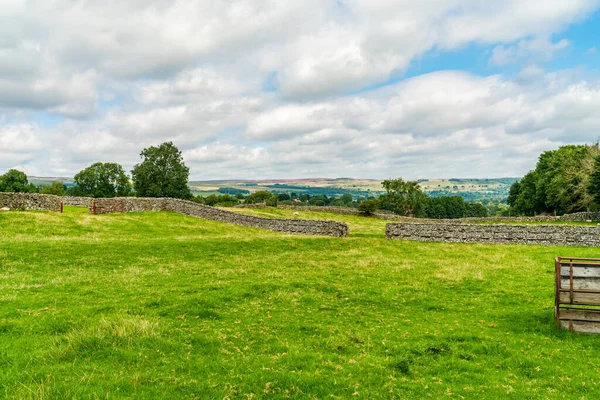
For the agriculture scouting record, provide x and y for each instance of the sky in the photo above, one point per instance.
(295, 89)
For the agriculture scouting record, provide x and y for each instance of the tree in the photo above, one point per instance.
(347, 198)
(513, 193)
(283, 197)
(162, 173)
(56, 188)
(476, 210)
(435, 208)
(404, 197)
(259, 197)
(101, 180)
(594, 183)
(15, 181)
(560, 182)
(368, 206)
(455, 207)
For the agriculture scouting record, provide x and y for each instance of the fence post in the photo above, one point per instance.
(61, 207)
(94, 207)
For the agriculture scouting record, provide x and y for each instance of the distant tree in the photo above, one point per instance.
(225, 200)
(319, 200)
(199, 199)
(526, 202)
(283, 197)
(513, 193)
(16, 181)
(56, 188)
(304, 197)
(162, 173)
(403, 197)
(272, 201)
(368, 206)
(455, 207)
(102, 180)
(435, 208)
(261, 197)
(476, 210)
(347, 198)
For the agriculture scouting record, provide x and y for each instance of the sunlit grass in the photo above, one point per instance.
(159, 305)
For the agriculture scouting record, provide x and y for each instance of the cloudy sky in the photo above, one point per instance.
(298, 88)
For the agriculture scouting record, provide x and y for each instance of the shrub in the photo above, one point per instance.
(368, 206)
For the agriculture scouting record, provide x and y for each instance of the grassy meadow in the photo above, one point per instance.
(159, 305)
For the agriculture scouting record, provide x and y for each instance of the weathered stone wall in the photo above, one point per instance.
(298, 226)
(384, 214)
(327, 209)
(559, 235)
(537, 218)
(77, 201)
(30, 201)
(254, 205)
(581, 217)
(381, 214)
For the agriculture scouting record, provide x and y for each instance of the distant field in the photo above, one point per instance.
(329, 187)
(160, 305)
(470, 189)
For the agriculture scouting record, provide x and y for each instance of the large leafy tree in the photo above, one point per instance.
(15, 181)
(102, 180)
(162, 173)
(403, 197)
(560, 183)
(594, 181)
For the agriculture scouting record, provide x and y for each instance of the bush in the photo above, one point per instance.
(368, 206)
(259, 197)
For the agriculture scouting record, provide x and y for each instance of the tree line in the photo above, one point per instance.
(565, 180)
(408, 199)
(162, 173)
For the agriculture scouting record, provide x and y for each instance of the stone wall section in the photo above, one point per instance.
(556, 235)
(388, 215)
(77, 201)
(297, 226)
(30, 201)
(581, 217)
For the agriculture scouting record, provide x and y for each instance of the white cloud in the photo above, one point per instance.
(18, 144)
(115, 77)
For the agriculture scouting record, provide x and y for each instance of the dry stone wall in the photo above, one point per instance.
(77, 201)
(297, 226)
(30, 201)
(558, 235)
(581, 217)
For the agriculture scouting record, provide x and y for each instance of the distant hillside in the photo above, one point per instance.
(495, 189)
(41, 181)
(470, 189)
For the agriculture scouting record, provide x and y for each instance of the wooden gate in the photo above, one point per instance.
(577, 294)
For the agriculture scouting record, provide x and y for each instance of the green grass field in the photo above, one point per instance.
(160, 305)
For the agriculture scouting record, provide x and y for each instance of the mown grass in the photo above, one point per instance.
(160, 305)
